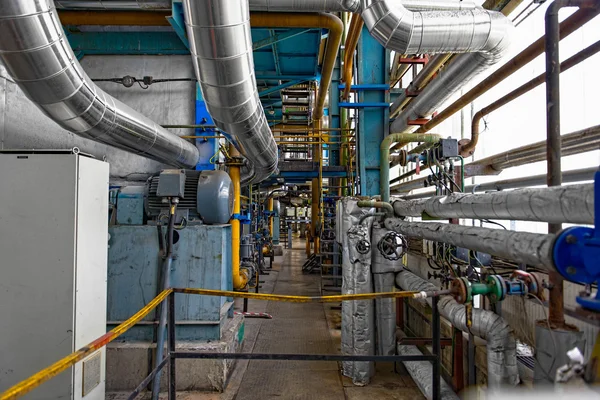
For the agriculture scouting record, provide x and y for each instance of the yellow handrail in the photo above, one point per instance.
(61, 365)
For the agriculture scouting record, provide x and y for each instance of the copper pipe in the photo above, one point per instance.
(468, 148)
(356, 25)
(567, 27)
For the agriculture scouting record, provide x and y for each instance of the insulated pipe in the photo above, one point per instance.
(501, 345)
(221, 47)
(467, 149)
(259, 5)
(529, 248)
(577, 175)
(384, 152)
(36, 54)
(356, 26)
(310, 20)
(567, 27)
(240, 278)
(424, 76)
(566, 204)
(422, 373)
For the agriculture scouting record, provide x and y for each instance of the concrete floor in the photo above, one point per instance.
(299, 328)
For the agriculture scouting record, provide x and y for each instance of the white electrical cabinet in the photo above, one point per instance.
(53, 263)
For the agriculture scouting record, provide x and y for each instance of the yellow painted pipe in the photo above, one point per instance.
(356, 25)
(240, 278)
(309, 20)
(118, 18)
(270, 216)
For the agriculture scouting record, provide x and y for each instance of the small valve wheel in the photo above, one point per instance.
(392, 246)
(363, 246)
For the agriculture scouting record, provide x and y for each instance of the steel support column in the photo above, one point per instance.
(373, 64)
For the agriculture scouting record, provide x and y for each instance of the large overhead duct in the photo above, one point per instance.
(501, 346)
(221, 47)
(263, 5)
(458, 73)
(38, 57)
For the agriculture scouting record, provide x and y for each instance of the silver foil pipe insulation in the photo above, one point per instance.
(529, 248)
(384, 272)
(221, 47)
(501, 345)
(37, 55)
(564, 204)
(422, 373)
(358, 320)
(264, 5)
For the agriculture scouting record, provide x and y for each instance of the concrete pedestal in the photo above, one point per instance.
(128, 363)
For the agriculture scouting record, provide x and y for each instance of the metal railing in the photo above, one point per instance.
(172, 355)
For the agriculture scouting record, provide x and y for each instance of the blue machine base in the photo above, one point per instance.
(203, 260)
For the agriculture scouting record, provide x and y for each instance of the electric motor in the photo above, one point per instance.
(207, 197)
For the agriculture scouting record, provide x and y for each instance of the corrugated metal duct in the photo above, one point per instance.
(38, 57)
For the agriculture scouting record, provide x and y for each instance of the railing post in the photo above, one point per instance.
(437, 352)
(171, 349)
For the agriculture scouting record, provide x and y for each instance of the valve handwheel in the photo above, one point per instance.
(363, 246)
(392, 246)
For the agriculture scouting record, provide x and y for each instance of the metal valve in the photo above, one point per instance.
(363, 246)
(392, 246)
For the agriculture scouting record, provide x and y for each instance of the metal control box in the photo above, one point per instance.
(54, 236)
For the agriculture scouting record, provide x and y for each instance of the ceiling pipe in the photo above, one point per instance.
(568, 26)
(356, 26)
(221, 45)
(467, 148)
(261, 5)
(39, 59)
(309, 20)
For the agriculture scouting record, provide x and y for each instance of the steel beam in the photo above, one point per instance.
(373, 65)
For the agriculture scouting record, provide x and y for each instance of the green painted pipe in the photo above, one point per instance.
(387, 207)
(402, 139)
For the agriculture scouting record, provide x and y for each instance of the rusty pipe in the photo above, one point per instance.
(567, 27)
(356, 25)
(468, 148)
(556, 315)
(309, 20)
